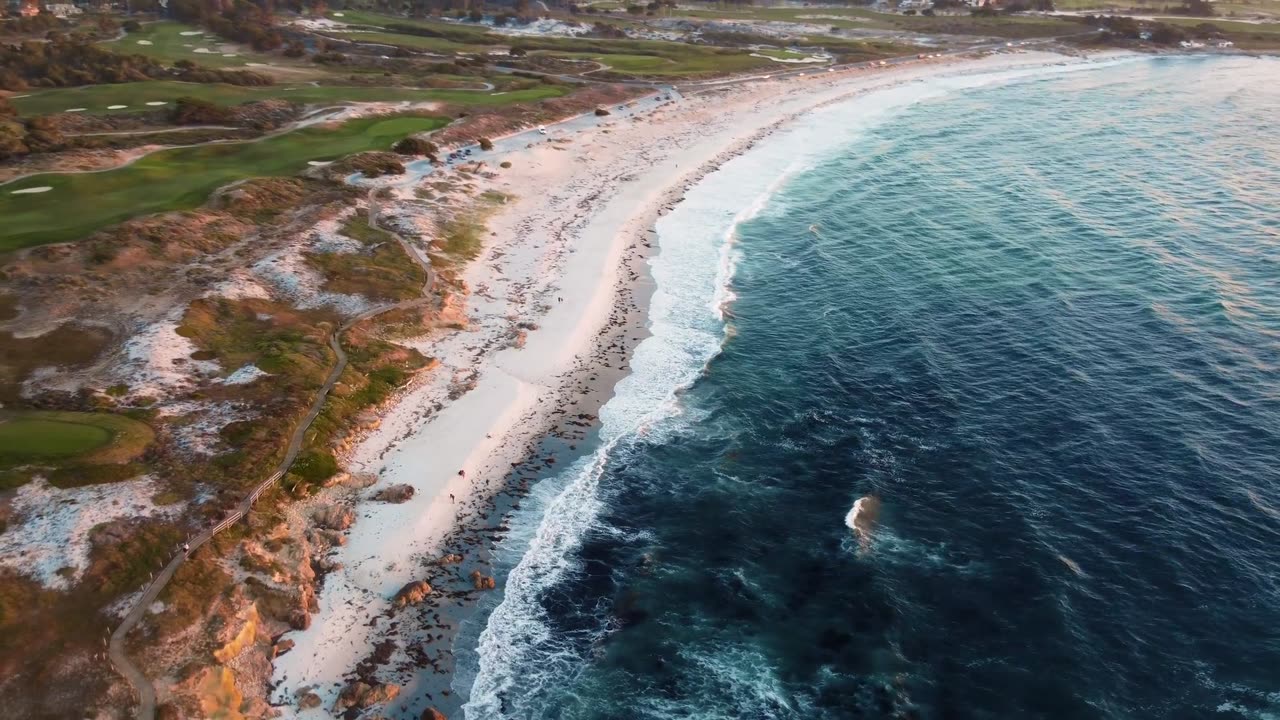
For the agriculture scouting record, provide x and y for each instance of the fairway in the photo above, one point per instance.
(177, 179)
(135, 96)
(164, 41)
(41, 439)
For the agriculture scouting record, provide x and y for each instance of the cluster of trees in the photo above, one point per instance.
(68, 61)
(20, 137)
(241, 20)
(65, 61)
(1127, 28)
(36, 25)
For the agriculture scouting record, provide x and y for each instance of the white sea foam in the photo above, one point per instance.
(692, 271)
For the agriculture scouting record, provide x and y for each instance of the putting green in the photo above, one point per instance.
(42, 439)
(182, 178)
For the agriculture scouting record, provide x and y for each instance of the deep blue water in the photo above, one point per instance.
(1039, 320)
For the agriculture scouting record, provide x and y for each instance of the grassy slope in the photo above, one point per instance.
(178, 179)
(96, 98)
(862, 18)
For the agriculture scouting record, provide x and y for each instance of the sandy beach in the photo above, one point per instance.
(564, 262)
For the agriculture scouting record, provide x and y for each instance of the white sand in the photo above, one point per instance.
(32, 190)
(578, 206)
(144, 42)
(50, 539)
(157, 360)
(157, 102)
(117, 107)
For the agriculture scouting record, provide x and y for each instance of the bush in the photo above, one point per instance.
(132, 26)
(504, 164)
(315, 466)
(601, 112)
(485, 144)
(194, 111)
(415, 146)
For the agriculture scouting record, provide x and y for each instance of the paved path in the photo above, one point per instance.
(116, 647)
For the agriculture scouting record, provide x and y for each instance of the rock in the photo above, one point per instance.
(394, 494)
(308, 701)
(412, 594)
(482, 582)
(450, 559)
(433, 714)
(362, 695)
(282, 647)
(334, 517)
(337, 479)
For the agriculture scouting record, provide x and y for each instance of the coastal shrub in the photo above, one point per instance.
(504, 164)
(485, 143)
(601, 112)
(415, 146)
(315, 466)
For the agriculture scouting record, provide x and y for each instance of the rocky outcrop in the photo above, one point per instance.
(450, 559)
(412, 594)
(433, 714)
(394, 494)
(308, 700)
(334, 517)
(362, 695)
(483, 582)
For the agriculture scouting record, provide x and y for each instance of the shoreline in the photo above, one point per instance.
(539, 395)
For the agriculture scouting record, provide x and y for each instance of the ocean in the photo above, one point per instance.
(1034, 319)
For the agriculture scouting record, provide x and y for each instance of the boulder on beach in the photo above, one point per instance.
(308, 701)
(483, 582)
(450, 559)
(334, 517)
(394, 494)
(412, 594)
(433, 714)
(361, 695)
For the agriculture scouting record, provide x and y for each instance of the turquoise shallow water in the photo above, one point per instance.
(1039, 319)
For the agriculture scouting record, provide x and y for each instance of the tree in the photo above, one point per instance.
(1198, 8)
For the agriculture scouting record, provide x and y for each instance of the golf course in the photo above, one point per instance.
(76, 204)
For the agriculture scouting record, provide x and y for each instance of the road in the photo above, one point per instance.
(116, 646)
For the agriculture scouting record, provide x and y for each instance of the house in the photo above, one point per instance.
(63, 10)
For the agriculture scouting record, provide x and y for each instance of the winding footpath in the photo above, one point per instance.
(146, 692)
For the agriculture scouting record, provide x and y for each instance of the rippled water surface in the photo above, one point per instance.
(1039, 320)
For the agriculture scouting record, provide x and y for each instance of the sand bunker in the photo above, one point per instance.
(144, 42)
(319, 163)
(158, 102)
(192, 32)
(75, 109)
(203, 51)
(32, 190)
(117, 107)
(228, 54)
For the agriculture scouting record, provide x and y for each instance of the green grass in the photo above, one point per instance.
(168, 45)
(96, 98)
(178, 179)
(40, 439)
(73, 448)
